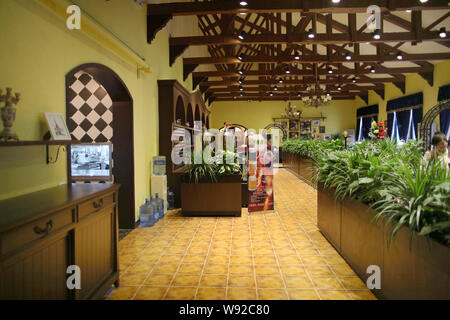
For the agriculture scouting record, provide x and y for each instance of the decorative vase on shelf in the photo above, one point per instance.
(9, 114)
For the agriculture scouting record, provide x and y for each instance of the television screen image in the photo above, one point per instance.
(91, 162)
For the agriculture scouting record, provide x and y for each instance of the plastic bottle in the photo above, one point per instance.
(160, 204)
(155, 206)
(146, 214)
(170, 200)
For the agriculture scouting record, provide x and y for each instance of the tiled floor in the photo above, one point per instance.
(276, 256)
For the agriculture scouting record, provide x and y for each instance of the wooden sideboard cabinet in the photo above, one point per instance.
(43, 233)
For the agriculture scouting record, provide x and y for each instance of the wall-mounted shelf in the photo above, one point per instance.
(45, 143)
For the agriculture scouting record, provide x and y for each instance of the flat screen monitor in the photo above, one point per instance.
(91, 162)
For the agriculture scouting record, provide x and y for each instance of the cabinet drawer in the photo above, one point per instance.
(19, 237)
(94, 205)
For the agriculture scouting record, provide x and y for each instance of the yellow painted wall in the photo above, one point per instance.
(414, 84)
(37, 52)
(340, 114)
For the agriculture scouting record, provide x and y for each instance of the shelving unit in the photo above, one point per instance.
(297, 128)
(45, 143)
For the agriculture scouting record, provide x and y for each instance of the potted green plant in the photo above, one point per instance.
(212, 188)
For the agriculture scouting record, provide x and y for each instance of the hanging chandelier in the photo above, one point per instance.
(316, 95)
(291, 111)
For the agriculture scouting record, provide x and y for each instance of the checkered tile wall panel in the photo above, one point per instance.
(90, 115)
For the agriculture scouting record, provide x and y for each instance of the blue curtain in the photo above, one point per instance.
(369, 114)
(444, 94)
(403, 116)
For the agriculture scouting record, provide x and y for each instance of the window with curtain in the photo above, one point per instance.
(444, 117)
(364, 118)
(404, 116)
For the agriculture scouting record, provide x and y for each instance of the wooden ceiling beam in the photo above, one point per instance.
(270, 6)
(348, 71)
(305, 81)
(274, 98)
(302, 38)
(317, 58)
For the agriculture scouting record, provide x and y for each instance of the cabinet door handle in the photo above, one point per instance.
(99, 204)
(46, 230)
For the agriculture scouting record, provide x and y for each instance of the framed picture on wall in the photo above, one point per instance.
(57, 126)
(327, 137)
(316, 123)
(322, 129)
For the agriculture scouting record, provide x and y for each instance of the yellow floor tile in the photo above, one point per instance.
(211, 294)
(213, 259)
(334, 295)
(302, 294)
(194, 258)
(213, 281)
(158, 280)
(241, 294)
(272, 294)
(298, 282)
(150, 293)
(241, 281)
(264, 270)
(241, 269)
(362, 295)
(353, 283)
(166, 268)
(241, 251)
(241, 260)
(190, 268)
(177, 293)
(326, 283)
(219, 269)
(133, 279)
(273, 282)
(186, 280)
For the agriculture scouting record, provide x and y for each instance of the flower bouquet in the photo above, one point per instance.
(377, 131)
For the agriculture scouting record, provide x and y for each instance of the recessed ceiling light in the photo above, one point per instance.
(241, 71)
(297, 55)
(242, 35)
(442, 32)
(241, 56)
(311, 34)
(243, 3)
(377, 35)
(348, 56)
(399, 56)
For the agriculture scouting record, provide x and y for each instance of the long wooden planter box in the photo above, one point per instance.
(422, 273)
(300, 166)
(221, 198)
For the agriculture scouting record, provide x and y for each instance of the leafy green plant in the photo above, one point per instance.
(229, 163)
(204, 170)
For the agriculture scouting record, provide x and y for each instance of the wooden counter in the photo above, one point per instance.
(43, 233)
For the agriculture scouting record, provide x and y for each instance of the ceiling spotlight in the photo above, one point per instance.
(423, 1)
(442, 32)
(399, 56)
(376, 34)
(354, 80)
(328, 94)
(280, 80)
(271, 94)
(241, 71)
(297, 55)
(241, 94)
(241, 56)
(339, 88)
(336, 1)
(243, 3)
(348, 56)
(311, 34)
(241, 80)
(241, 88)
(287, 70)
(408, 10)
(330, 70)
(275, 88)
(299, 94)
(372, 69)
(242, 35)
